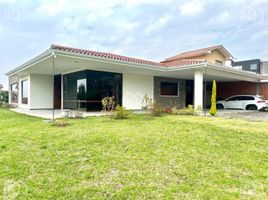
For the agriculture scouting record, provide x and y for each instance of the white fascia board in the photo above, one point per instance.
(31, 62)
(238, 72)
(221, 68)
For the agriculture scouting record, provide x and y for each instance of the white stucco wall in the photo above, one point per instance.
(41, 91)
(134, 88)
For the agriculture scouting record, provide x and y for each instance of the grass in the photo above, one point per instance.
(169, 157)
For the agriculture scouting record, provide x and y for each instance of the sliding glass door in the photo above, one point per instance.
(85, 90)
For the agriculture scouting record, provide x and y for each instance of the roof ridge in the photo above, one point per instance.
(201, 49)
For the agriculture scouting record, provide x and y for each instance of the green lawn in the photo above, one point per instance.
(169, 157)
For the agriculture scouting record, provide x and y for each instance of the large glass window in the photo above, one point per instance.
(14, 92)
(169, 89)
(86, 89)
(24, 92)
(253, 66)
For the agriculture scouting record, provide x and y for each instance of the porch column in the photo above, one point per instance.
(198, 89)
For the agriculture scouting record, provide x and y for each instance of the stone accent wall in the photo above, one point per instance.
(13, 79)
(169, 101)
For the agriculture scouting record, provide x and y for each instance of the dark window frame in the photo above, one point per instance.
(97, 85)
(219, 62)
(255, 66)
(12, 99)
(24, 99)
(168, 91)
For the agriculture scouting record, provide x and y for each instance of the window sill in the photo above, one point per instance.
(169, 96)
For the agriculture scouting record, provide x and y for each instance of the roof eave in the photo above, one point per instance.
(236, 71)
(29, 63)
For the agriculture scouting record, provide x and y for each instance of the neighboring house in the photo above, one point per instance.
(256, 66)
(213, 55)
(264, 68)
(71, 78)
(248, 65)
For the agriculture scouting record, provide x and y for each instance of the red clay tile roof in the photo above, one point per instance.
(182, 62)
(104, 55)
(194, 53)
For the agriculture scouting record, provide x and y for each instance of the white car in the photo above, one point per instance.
(245, 102)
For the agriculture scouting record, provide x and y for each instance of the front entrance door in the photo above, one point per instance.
(57, 92)
(189, 93)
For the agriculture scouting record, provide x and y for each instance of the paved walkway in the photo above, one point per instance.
(48, 114)
(244, 114)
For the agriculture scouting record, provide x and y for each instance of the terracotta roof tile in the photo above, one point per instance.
(176, 63)
(181, 62)
(194, 53)
(104, 55)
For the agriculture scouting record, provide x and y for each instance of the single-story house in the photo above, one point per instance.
(71, 78)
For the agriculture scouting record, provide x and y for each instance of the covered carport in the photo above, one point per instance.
(203, 74)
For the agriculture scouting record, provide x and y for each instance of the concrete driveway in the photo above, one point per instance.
(244, 114)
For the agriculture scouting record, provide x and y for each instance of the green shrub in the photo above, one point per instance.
(174, 111)
(4, 96)
(108, 103)
(186, 111)
(155, 109)
(3, 104)
(120, 112)
(62, 122)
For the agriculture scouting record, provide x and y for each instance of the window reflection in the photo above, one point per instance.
(86, 89)
(14, 93)
(81, 93)
(24, 89)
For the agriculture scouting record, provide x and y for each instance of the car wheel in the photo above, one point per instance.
(251, 107)
(219, 106)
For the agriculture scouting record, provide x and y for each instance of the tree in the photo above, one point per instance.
(4, 96)
(213, 108)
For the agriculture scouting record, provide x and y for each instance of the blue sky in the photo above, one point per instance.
(150, 29)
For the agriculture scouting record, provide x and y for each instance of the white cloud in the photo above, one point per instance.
(259, 36)
(221, 19)
(125, 25)
(130, 3)
(157, 25)
(264, 53)
(192, 7)
(52, 8)
(224, 17)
